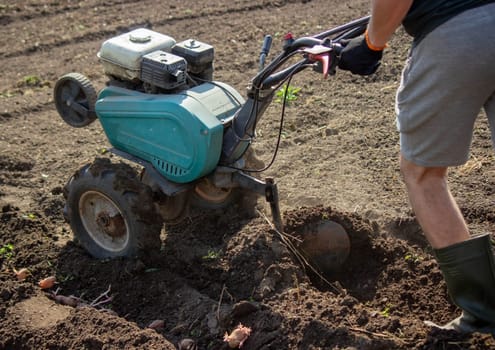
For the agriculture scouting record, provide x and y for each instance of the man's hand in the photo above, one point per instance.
(358, 57)
(362, 55)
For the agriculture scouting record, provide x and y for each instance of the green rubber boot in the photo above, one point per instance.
(469, 271)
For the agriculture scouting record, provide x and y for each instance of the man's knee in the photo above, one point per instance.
(414, 174)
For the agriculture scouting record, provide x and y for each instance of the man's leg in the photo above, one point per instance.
(433, 204)
(437, 105)
(467, 262)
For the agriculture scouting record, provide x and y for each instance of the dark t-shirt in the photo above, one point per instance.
(426, 15)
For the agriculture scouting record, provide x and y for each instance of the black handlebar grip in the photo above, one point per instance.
(267, 44)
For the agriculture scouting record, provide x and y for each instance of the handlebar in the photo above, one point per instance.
(269, 76)
(324, 47)
(348, 28)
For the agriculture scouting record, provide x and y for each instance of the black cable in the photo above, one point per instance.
(277, 146)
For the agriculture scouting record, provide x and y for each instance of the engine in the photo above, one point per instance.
(155, 63)
(161, 105)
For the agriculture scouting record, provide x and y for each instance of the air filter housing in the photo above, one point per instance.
(163, 69)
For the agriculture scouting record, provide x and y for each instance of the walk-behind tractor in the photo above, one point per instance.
(189, 135)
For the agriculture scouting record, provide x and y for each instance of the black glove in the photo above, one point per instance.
(358, 58)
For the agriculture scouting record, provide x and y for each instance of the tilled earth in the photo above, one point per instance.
(337, 160)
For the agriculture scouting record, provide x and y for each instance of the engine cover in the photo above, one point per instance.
(180, 134)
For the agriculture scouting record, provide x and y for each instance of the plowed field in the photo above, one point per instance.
(337, 159)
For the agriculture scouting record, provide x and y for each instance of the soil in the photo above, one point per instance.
(337, 160)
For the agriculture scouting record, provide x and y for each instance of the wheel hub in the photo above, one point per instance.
(210, 193)
(103, 221)
(114, 226)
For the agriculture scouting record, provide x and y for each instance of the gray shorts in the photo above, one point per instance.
(448, 78)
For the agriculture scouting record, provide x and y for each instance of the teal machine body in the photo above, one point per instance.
(180, 134)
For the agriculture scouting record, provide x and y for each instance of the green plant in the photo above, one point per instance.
(412, 257)
(289, 93)
(31, 80)
(212, 255)
(7, 94)
(7, 251)
(29, 216)
(385, 312)
(152, 269)
(4, 7)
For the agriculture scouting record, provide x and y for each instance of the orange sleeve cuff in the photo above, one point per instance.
(370, 45)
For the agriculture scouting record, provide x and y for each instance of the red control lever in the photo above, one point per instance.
(325, 62)
(320, 53)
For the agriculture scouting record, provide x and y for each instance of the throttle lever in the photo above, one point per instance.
(265, 49)
(321, 54)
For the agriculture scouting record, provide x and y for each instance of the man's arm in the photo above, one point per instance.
(386, 17)
(362, 55)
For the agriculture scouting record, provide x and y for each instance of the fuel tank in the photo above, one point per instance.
(180, 134)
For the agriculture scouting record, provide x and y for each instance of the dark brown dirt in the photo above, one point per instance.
(337, 160)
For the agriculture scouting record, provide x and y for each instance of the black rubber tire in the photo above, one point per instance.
(111, 213)
(75, 99)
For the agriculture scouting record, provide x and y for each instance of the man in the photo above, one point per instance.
(449, 76)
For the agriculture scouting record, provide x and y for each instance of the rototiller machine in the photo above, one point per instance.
(190, 135)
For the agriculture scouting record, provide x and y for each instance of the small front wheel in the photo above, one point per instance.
(111, 213)
(75, 99)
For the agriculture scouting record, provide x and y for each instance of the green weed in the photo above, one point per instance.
(288, 93)
(7, 251)
(385, 312)
(29, 216)
(212, 255)
(412, 257)
(31, 80)
(7, 94)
